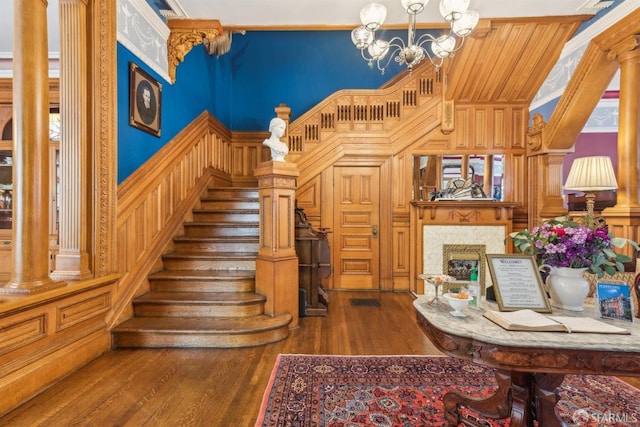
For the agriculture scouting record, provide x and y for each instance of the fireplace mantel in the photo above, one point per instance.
(465, 211)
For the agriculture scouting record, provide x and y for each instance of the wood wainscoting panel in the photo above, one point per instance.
(22, 332)
(79, 311)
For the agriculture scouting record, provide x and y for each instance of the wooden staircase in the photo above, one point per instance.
(205, 294)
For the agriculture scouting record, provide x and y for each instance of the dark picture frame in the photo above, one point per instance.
(517, 283)
(145, 100)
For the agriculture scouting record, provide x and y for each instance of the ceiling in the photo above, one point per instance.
(252, 13)
(319, 13)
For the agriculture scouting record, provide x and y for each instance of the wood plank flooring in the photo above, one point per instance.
(217, 387)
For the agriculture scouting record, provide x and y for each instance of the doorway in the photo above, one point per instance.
(356, 234)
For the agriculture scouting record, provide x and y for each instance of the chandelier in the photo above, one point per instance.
(461, 23)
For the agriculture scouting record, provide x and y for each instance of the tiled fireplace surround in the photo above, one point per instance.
(435, 237)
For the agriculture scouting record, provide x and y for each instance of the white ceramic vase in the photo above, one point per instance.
(567, 287)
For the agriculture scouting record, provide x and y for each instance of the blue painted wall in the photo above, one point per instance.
(297, 68)
(242, 88)
(181, 104)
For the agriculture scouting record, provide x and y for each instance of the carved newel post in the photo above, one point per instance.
(277, 262)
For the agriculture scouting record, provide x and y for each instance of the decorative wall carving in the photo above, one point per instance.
(185, 34)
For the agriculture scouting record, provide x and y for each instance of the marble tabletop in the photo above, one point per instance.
(477, 327)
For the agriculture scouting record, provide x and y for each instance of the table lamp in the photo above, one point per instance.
(588, 175)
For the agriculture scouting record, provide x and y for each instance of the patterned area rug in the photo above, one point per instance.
(407, 391)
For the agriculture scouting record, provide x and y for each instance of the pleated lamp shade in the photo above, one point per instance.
(591, 174)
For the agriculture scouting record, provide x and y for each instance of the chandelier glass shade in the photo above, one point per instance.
(410, 53)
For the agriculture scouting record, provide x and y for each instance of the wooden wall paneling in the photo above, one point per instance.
(308, 197)
(46, 337)
(499, 133)
(481, 125)
(327, 218)
(386, 223)
(401, 255)
(417, 128)
(519, 126)
(462, 133)
(401, 181)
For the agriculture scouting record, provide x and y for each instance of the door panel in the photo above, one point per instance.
(356, 201)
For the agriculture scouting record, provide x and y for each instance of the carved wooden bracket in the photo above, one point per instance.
(185, 34)
(535, 137)
(448, 115)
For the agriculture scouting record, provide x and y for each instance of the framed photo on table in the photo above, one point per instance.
(145, 100)
(517, 283)
(613, 300)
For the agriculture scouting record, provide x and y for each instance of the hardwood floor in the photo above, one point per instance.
(216, 387)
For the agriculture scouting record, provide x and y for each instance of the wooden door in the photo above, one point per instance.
(356, 216)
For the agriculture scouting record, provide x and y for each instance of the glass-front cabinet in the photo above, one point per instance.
(6, 188)
(6, 206)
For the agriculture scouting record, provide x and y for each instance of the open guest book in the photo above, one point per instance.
(529, 320)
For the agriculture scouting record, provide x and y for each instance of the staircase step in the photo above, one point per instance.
(199, 304)
(180, 332)
(216, 244)
(229, 193)
(205, 295)
(209, 260)
(203, 281)
(228, 229)
(243, 216)
(214, 203)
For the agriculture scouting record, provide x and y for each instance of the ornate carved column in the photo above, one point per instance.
(624, 217)
(277, 262)
(31, 151)
(72, 261)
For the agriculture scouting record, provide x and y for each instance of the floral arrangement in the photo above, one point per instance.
(562, 242)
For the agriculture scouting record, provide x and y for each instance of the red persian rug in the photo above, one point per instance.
(407, 391)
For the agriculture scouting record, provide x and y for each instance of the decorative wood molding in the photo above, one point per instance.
(185, 34)
(444, 211)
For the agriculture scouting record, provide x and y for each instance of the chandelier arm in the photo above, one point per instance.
(390, 55)
(425, 38)
(397, 43)
(459, 46)
(364, 56)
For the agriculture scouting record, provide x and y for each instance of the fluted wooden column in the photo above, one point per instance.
(624, 217)
(72, 261)
(31, 151)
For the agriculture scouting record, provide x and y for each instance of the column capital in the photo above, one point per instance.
(626, 49)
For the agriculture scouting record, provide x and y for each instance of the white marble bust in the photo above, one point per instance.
(279, 149)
